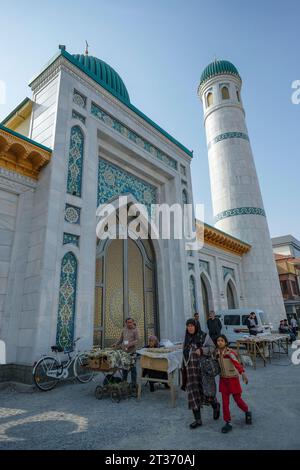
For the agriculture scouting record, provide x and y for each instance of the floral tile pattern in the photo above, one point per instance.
(75, 162)
(79, 99)
(114, 181)
(227, 135)
(129, 134)
(70, 239)
(78, 116)
(67, 302)
(240, 211)
(72, 214)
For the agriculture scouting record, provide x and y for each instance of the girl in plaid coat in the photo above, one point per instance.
(200, 390)
(229, 381)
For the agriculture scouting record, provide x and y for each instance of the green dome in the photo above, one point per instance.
(218, 67)
(104, 74)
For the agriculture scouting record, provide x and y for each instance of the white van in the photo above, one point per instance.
(234, 322)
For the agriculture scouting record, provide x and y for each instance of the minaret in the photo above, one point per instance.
(237, 202)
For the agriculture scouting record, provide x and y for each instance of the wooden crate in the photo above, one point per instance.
(154, 363)
(158, 364)
(100, 363)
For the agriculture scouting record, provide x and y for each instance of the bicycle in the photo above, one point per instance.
(49, 369)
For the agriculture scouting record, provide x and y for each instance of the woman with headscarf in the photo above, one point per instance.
(201, 389)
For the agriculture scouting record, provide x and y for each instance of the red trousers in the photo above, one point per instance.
(239, 401)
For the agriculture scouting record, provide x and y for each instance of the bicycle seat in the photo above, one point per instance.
(57, 349)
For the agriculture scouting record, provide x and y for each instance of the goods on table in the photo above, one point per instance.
(159, 350)
(260, 338)
(104, 359)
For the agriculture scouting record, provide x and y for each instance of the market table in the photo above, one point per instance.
(257, 345)
(279, 341)
(167, 362)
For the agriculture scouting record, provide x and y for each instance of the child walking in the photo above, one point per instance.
(230, 382)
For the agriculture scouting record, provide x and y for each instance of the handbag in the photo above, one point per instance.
(209, 366)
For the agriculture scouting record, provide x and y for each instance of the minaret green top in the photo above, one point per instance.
(218, 67)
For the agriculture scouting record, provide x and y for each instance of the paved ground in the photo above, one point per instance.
(70, 417)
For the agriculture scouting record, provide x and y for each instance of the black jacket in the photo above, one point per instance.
(214, 327)
(193, 342)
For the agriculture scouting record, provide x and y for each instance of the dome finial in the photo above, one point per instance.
(86, 48)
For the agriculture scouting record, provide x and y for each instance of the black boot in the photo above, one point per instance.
(216, 408)
(248, 417)
(227, 428)
(197, 422)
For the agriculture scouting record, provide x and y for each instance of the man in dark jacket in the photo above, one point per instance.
(214, 326)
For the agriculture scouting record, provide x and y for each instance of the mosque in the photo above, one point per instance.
(79, 142)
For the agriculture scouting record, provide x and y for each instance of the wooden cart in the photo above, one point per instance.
(113, 386)
(157, 364)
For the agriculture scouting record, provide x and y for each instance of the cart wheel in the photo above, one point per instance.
(115, 396)
(99, 392)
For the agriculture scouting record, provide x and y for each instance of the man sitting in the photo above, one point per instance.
(251, 323)
(154, 374)
(285, 329)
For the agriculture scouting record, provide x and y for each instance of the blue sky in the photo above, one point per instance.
(160, 49)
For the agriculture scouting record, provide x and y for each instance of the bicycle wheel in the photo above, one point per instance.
(81, 372)
(47, 373)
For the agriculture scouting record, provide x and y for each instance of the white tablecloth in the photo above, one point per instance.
(174, 357)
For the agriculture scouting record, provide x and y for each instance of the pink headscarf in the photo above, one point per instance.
(154, 338)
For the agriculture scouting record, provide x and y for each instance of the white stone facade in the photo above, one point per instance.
(219, 268)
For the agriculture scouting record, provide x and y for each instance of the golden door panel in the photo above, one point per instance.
(136, 288)
(114, 301)
(125, 286)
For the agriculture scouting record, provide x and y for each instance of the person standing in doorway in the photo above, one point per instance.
(214, 326)
(128, 341)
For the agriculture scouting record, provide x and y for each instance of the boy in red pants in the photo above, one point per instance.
(230, 382)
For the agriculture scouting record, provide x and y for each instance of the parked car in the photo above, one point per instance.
(234, 322)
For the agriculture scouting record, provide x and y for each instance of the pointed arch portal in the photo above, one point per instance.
(125, 287)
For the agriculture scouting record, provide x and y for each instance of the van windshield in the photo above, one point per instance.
(232, 319)
(263, 318)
